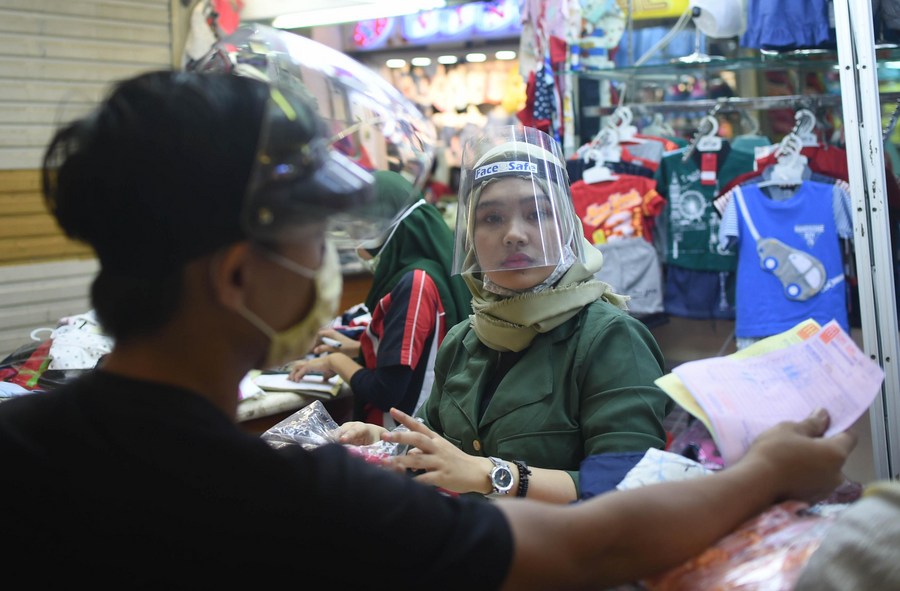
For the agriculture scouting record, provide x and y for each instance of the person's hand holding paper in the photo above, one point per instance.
(744, 395)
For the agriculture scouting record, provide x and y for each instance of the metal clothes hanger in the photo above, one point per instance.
(805, 127)
(791, 164)
(705, 139)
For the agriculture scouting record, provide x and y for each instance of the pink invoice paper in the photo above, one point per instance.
(744, 397)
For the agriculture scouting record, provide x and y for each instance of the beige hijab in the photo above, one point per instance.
(510, 323)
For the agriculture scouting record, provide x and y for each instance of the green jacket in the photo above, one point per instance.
(584, 388)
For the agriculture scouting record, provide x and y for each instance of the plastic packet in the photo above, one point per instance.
(766, 553)
(377, 453)
(310, 427)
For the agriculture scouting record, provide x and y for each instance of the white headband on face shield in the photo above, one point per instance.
(505, 168)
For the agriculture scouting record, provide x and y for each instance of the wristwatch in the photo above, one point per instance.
(501, 477)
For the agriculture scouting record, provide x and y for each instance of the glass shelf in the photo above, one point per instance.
(742, 87)
(732, 104)
(799, 60)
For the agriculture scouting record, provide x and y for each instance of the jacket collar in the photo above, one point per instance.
(533, 376)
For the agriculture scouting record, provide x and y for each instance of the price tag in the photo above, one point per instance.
(709, 168)
(709, 143)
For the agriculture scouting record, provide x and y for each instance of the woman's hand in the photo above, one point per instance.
(438, 462)
(316, 365)
(359, 433)
(332, 341)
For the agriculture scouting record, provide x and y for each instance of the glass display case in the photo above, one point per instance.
(854, 92)
(761, 91)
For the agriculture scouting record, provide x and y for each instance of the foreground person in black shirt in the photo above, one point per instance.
(208, 199)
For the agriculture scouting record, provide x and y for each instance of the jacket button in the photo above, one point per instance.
(477, 445)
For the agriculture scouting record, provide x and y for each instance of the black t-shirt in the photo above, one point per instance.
(110, 480)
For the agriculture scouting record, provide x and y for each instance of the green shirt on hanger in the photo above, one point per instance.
(689, 221)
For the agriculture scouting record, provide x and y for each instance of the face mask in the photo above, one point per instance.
(295, 341)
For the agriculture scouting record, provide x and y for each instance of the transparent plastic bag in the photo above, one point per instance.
(378, 452)
(312, 426)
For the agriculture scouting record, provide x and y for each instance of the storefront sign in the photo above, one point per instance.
(483, 20)
(647, 9)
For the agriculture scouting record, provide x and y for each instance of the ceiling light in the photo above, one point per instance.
(505, 54)
(421, 61)
(395, 63)
(355, 12)
(475, 57)
(447, 59)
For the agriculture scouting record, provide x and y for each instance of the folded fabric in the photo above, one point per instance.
(662, 466)
(78, 342)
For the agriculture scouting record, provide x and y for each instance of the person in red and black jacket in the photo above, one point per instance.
(413, 300)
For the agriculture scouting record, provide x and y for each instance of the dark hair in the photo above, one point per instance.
(154, 178)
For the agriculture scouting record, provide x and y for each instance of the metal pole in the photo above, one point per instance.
(871, 226)
(630, 32)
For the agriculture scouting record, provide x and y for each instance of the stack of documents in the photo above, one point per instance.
(312, 385)
(780, 378)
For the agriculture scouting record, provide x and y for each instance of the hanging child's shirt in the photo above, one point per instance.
(832, 161)
(632, 268)
(690, 221)
(728, 214)
(625, 207)
(617, 217)
(790, 266)
(575, 168)
(699, 274)
(788, 24)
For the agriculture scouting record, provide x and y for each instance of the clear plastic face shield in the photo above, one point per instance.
(331, 122)
(515, 209)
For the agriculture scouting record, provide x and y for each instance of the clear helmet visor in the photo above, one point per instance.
(330, 125)
(515, 209)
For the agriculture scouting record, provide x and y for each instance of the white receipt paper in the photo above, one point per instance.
(309, 384)
(743, 397)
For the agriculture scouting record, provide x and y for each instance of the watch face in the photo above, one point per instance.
(501, 477)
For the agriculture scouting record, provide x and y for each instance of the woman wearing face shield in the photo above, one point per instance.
(413, 300)
(551, 369)
(209, 200)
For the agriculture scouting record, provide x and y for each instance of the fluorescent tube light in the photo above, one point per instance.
(354, 13)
